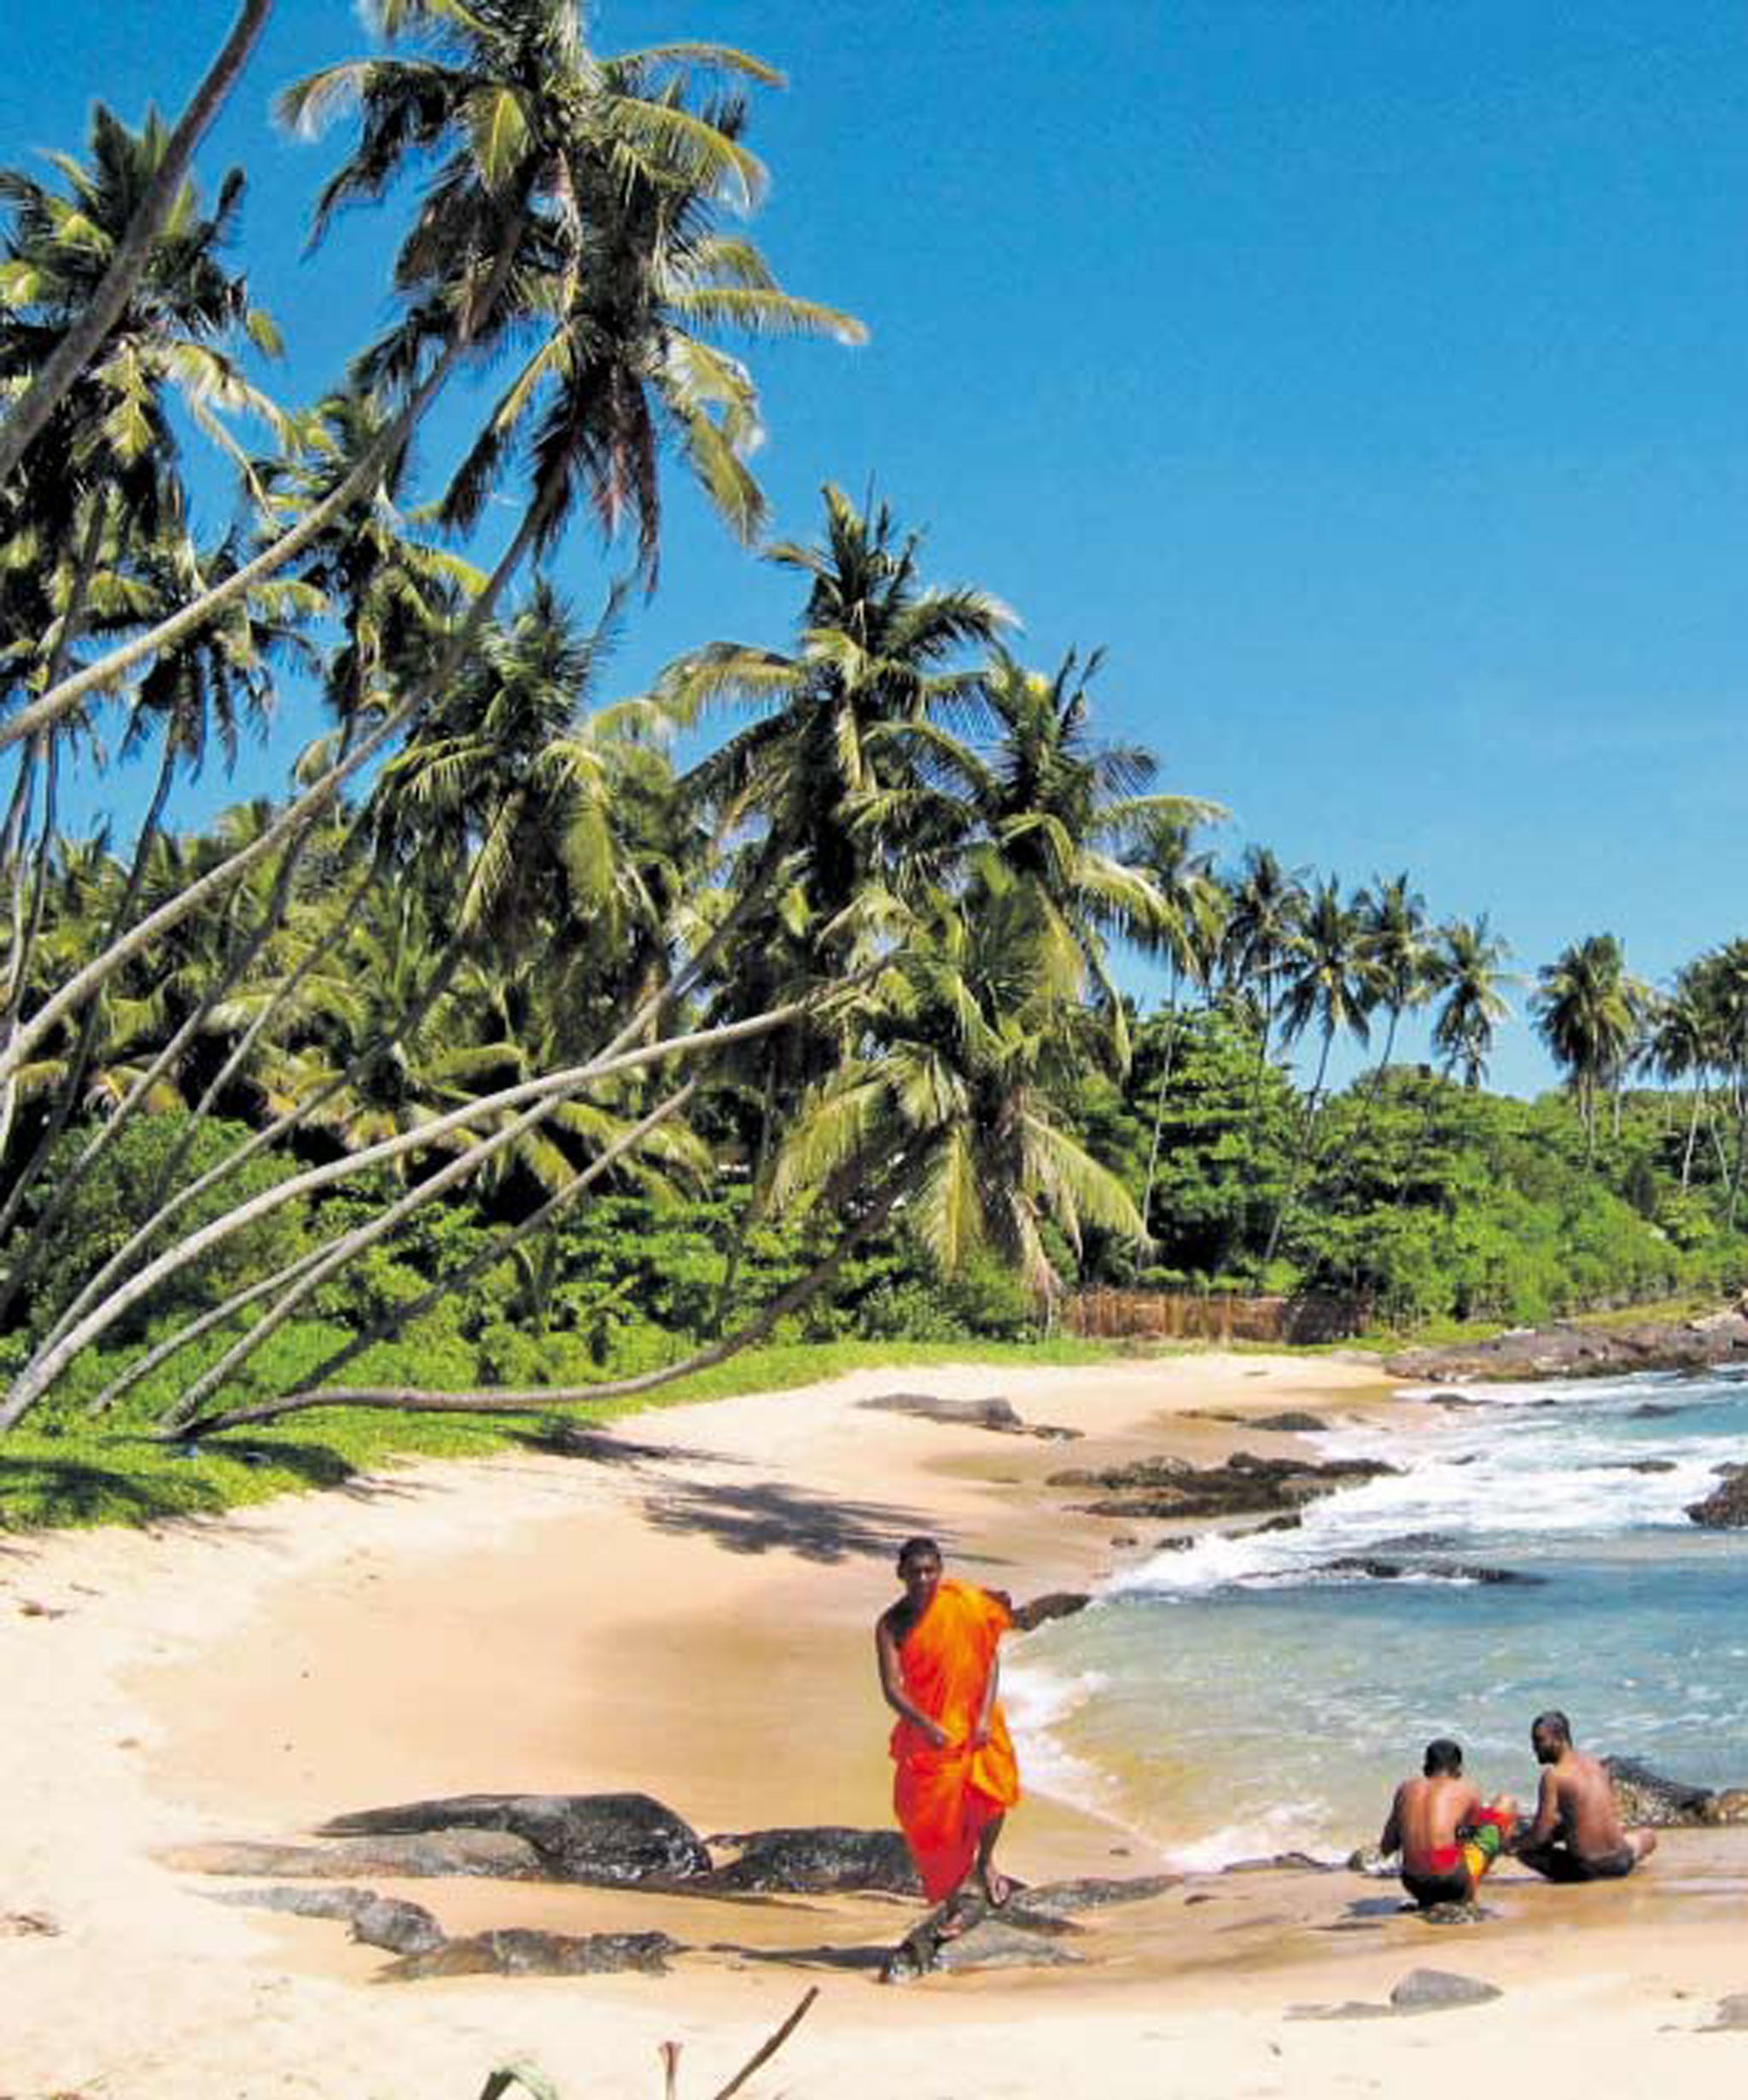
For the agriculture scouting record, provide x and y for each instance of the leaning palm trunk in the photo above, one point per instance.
(83, 340)
(49, 1362)
(173, 1344)
(119, 1264)
(67, 1094)
(295, 816)
(539, 1400)
(236, 963)
(171, 1206)
(496, 1250)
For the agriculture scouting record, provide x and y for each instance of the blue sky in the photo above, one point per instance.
(1366, 378)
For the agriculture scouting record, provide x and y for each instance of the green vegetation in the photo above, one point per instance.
(498, 1067)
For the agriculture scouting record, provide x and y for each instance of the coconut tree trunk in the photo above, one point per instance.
(1164, 1088)
(90, 979)
(67, 1094)
(397, 1316)
(1693, 1133)
(82, 342)
(50, 1361)
(1301, 1153)
(543, 1400)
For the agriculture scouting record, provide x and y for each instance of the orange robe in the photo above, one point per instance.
(946, 1799)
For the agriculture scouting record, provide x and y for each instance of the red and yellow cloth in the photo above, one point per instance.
(945, 1799)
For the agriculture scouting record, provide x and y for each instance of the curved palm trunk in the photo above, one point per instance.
(169, 1206)
(86, 982)
(82, 342)
(35, 1379)
(67, 1094)
(173, 1344)
(561, 1200)
(538, 1400)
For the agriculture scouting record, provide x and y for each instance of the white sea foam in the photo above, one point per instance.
(1530, 1472)
(1291, 1827)
(1038, 1701)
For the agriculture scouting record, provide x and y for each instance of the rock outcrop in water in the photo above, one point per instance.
(1648, 1797)
(1567, 1349)
(1244, 1485)
(1726, 1508)
(1380, 1569)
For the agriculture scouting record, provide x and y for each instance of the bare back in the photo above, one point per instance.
(1427, 1814)
(1577, 1799)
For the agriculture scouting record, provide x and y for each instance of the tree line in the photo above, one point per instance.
(273, 1095)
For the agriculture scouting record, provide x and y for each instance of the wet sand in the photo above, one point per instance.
(687, 1612)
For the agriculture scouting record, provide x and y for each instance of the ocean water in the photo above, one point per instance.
(1239, 1698)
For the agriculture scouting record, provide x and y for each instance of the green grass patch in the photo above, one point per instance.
(69, 1471)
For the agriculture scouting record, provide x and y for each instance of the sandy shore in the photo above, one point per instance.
(687, 1612)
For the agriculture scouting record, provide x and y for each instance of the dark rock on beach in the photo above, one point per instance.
(376, 1921)
(1244, 1485)
(1435, 1990)
(1295, 1422)
(812, 1860)
(519, 1952)
(610, 1838)
(495, 1853)
(994, 1939)
(994, 1413)
(1060, 1899)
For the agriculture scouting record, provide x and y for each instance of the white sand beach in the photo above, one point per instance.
(687, 1612)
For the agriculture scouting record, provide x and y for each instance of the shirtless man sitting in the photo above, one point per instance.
(1448, 1836)
(1576, 1835)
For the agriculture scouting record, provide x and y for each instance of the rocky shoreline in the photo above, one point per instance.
(1571, 1349)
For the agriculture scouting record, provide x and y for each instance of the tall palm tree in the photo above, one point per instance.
(1065, 813)
(1586, 1010)
(1190, 938)
(1467, 970)
(1393, 927)
(1267, 908)
(1332, 982)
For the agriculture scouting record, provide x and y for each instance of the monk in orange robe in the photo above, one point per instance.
(957, 1777)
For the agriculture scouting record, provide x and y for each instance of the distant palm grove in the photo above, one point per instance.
(501, 1062)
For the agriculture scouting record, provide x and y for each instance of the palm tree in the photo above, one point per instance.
(1267, 908)
(132, 256)
(1065, 814)
(1718, 984)
(1190, 937)
(1393, 927)
(1586, 1010)
(563, 159)
(1467, 968)
(1678, 1047)
(1331, 980)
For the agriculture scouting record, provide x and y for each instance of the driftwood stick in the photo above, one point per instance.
(769, 2047)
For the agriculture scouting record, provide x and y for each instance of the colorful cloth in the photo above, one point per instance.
(945, 1799)
(1484, 1841)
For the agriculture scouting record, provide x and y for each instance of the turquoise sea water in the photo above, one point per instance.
(1238, 1698)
